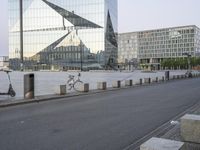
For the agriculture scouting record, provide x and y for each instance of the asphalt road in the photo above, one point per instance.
(105, 121)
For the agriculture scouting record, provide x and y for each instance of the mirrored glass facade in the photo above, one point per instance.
(64, 34)
(4, 62)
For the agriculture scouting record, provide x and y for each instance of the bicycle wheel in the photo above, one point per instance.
(69, 86)
(77, 85)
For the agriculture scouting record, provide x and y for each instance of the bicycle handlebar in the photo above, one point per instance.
(71, 76)
(7, 71)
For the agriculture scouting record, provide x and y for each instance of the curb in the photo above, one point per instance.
(161, 130)
(54, 97)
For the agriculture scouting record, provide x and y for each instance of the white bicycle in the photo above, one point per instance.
(73, 83)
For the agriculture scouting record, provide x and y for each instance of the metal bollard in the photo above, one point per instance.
(140, 81)
(29, 89)
(166, 75)
(156, 79)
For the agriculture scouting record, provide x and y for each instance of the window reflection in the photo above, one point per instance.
(53, 40)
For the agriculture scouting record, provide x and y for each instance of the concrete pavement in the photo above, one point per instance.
(110, 120)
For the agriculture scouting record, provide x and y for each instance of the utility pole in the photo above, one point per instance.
(81, 50)
(21, 35)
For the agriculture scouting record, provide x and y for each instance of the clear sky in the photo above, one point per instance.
(3, 28)
(137, 15)
(134, 15)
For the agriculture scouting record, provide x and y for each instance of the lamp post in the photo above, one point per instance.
(21, 34)
(81, 51)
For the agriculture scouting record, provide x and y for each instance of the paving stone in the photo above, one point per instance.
(162, 144)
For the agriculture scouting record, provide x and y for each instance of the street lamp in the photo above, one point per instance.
(81, 56)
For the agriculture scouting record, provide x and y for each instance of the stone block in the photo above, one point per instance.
(156, 79)
(128, 82)
(61, 90)
(162, 79)
(147, 80)
(101, 85)
(190, 128)
(162, 144)
(84, 87)
(139, 82)
(116, 84)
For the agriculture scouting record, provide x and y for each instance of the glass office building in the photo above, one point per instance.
(128, 47)
(4, 62)
(64, 34)
(155, 45)
(127, 51)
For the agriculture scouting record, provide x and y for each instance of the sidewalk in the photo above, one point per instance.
(18, 101)
(13, 101)
(169, 131)
(174, 133)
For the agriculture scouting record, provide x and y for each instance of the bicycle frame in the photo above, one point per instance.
(72, 82)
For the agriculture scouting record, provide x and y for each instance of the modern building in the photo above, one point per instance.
(4, 62)
(128, 50)
(152, 46)
(64, 34)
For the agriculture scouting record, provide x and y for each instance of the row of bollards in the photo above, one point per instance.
(189, 132)
(29, 92)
